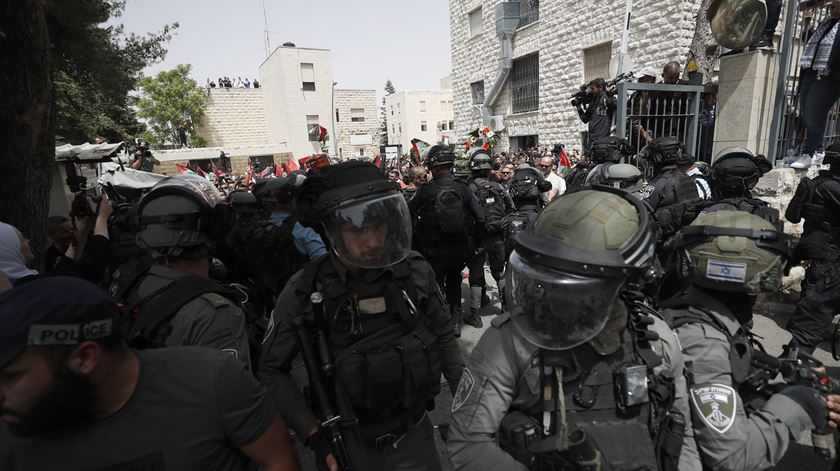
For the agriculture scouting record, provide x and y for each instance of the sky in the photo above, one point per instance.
(371, 41)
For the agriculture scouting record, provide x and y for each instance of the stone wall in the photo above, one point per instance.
(660, 31)
(345, 127)
(234, 117)
(777, 188)
(239, 164)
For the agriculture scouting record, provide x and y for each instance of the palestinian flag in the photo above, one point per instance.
(565, 163)
(420, 146)
(292, 165)
(182, 169)
(265, 172)
(322, 134)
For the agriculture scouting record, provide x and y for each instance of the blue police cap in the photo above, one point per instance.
(55, 310)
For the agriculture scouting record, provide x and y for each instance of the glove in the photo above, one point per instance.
(321, 447)
(811, 401)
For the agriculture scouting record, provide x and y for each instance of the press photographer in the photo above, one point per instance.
(596, 107)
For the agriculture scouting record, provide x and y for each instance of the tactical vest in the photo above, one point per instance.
(387, 363)
(677, 186)
(616, 409)
(817, 207)
(749, 205)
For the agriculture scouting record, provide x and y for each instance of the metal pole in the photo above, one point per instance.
(779, 108)
(621, 112)
(625, 36)
(332, 114)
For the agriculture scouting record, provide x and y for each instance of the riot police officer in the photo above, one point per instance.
(377, 315)
(735, 172)
(669, 185)
(730, 257)
(497, 204)
(525, 189)
(450, 228)
(580, 370)
(624, 176)
(173, 300)
(817, 201)
(606, 152)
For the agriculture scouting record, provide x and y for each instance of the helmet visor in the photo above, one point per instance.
(373, 232)
(556, 310)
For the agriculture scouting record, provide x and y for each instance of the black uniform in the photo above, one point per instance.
(748, 204)
(818, 202)
(447, 254)
(669, 186)
(496, 203)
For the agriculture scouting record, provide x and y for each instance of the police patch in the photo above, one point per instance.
(465, 387)
(645, 192)
(716, 405)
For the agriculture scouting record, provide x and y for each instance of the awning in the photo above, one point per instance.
(207, 153)
(128, 177)
(85, 152)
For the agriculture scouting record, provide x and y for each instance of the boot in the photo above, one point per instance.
(455, 311)
(803, 162)
(475, 307)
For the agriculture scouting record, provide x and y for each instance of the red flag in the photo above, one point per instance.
(292, 165)
(322, 132)
(265, 172)
(201, 172)
(377, 162)
(182, 169)
(278, 170)
(564, 159)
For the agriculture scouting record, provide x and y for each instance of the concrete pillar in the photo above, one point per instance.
(746, 94)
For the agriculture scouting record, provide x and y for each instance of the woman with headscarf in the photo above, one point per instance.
(15, 254)
(819, 83)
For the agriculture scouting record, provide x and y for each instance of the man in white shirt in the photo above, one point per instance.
(558, 185)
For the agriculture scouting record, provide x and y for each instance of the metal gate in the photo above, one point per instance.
(787, 132)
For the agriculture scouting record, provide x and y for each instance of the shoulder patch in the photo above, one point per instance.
(716, 404)
(465, 387)
(647, 191)
(216, 300)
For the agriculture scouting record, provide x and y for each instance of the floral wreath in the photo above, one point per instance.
(484, 137)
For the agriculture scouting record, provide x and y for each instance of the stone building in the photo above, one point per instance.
(298, 94)
(558, 46)
(421, 114)
(356, 123)
(234, 117)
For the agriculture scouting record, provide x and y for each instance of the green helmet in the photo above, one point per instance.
(624, 176)
(565, 275)
(733, 251)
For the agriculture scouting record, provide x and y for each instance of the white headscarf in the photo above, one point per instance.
(12, 263)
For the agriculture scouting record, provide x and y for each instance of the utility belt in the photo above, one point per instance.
(374, 435)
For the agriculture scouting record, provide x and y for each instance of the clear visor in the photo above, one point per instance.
(374, 232)
(555, 310)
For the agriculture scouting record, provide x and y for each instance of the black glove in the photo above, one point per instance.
(319, 444)
(810, 400)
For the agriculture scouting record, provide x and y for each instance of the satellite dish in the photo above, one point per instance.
(626, 65)
(737, 24)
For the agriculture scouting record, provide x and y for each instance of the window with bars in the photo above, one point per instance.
(596, 61)
(477, 92)
(529, 12)
(423, 126)
(313, 128)
(525, 83)
(357, 115)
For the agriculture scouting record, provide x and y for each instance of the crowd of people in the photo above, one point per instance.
(188, 328)
(227, 82)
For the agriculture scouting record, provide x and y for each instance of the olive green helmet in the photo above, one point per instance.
(733, 251)
(565, 275)
(625, 176)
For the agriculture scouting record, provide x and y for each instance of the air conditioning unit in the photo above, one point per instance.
(497, 123)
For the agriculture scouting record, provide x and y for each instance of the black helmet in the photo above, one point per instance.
(832, 154)
(736, 170)
(279, 190)
(526, 184)
(480, 160)
(244, 202)
(610, 149)
(666, 150)
(565, 274)
(180, 213)
(439, 155)
(364, 215)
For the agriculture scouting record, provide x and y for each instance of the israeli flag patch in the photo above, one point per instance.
(726, 271)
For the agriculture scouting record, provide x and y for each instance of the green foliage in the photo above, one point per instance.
(389, 88)
(96, 66)
(169, 99)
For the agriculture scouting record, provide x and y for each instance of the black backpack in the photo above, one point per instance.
(514, 223)
(493, 202)
(450, 211)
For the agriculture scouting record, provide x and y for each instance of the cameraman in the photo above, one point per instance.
(144, 160)
(599, 111)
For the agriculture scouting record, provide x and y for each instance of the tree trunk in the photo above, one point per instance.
(704, 48)
(27, 132)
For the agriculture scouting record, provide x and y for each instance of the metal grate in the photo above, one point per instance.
(529, 12)
(477, 92)
(525, 83)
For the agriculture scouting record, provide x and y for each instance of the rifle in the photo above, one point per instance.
(797, 368)
(330, 420)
